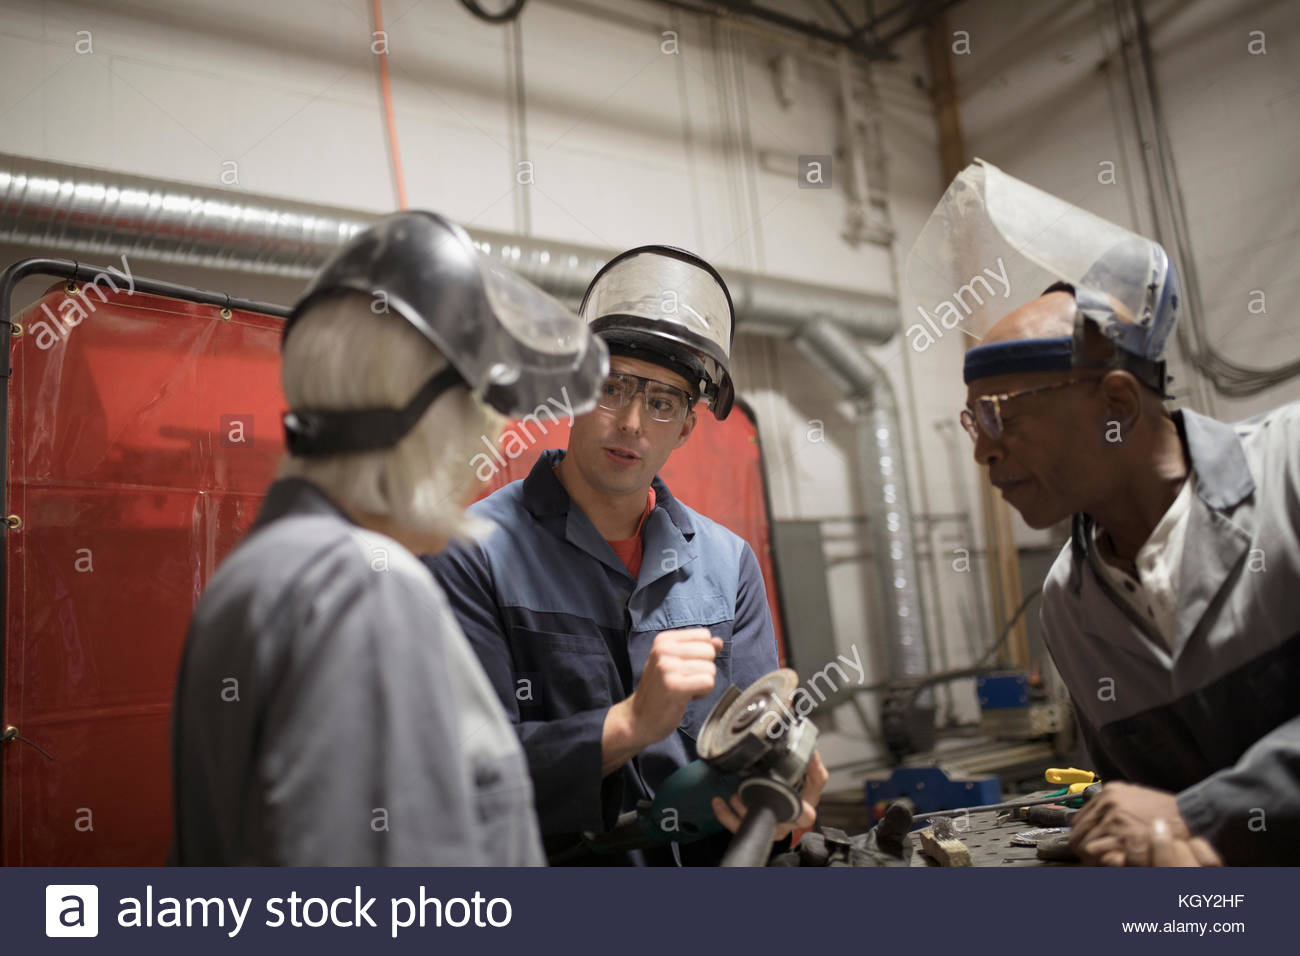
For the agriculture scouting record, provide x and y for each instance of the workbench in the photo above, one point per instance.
(989, 842)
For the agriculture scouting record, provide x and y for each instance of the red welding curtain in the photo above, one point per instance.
(140, 443)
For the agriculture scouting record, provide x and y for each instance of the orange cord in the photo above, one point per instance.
(399, 181)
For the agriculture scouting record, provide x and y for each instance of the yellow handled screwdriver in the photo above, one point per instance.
(1063, 775)
(1078, 791)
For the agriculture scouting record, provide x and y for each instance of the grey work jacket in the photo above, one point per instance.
(329, 710)
(1215, 719)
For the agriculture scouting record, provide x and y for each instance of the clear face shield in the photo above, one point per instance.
(513, 346)
(994, 243)
(668, 291)
(667, 301)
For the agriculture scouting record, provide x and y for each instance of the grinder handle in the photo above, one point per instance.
(752, 844)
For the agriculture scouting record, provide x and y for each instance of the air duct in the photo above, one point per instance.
(884, 484)
(46, 204)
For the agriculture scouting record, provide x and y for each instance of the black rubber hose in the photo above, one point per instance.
(505, 16)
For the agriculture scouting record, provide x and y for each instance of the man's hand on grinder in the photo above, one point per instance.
(731, 814)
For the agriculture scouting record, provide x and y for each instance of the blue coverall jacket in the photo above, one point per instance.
(563, 631)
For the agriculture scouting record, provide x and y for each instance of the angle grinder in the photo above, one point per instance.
(751, 742)
(754, 735)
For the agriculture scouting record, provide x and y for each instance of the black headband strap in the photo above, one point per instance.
(315, 433)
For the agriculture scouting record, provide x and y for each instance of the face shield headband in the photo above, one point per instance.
(1058, 354)
(317, 433)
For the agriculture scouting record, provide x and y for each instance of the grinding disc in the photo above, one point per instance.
(735, 734)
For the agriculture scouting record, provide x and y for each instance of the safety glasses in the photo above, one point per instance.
(986, 413)
(663, 402)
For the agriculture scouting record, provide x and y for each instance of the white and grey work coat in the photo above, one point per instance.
(1215, 719)
(329, 710)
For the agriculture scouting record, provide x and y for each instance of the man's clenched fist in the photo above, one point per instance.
(678, 670)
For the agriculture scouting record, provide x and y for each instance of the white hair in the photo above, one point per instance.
(341, 356)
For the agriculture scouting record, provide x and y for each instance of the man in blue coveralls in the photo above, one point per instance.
(608, 615)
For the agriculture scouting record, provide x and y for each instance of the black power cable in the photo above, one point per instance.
(1006, 628)
(505, 16)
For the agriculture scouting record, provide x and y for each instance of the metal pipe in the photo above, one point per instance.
(884, 480)
(954, 445)
(47, 204)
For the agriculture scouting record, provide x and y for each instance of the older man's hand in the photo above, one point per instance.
(1167, 851)
(731, 814)
(1115, 827)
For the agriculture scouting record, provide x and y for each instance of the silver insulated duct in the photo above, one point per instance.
(884, 482)
(45, 204)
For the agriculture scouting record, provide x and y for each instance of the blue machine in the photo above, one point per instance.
(931, 789)
(1003, 691)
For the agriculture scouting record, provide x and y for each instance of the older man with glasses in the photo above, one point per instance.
(1173, 613)
(609, 615)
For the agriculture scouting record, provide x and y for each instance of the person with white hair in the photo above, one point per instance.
(329, 710)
